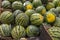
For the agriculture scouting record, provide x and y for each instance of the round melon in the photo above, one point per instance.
(29, 12)
(50, 17)
(57, 22)
(53, 10)
(28, 5)
(36, 19)
(5, 30)
(22, 19)
(56, 2)
(16, 12)
(41, 10)
(6, 4)
(50, 5)
(59, 3)
(18, 32)
(17, 5)
(58, 10)
(6, 17)
(32, 31)
(37, 3)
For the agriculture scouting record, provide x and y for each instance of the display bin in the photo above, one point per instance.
(44, 33)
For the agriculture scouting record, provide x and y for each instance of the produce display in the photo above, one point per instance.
(27, 16)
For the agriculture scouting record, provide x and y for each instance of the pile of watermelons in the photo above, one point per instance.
(26, 17)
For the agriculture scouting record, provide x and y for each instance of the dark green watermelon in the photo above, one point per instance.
(32, 31)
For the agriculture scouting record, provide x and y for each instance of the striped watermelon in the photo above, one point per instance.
(36, 19)
(5, 30)
(17, 5)
(6, 4)
(6, 17)
(22, 19)
(18, 32)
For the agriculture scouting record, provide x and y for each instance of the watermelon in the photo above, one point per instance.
(36, 3)
(50, 5)
(28, 5)
(53, 10)
(22, 19)
(58, 10)
(41, 10)
(16, 12)
(18, 32)
(36, 19)
(57, 22)
(54, 32)
(6, 4)
(6, 17)
(56, 2)
(5, 30)
(32, 31)
(50, 17)
(17, 5)
(29, 12)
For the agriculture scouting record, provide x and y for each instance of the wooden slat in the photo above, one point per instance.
(44, 34)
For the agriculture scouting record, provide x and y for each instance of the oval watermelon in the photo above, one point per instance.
(36, 19)
(32, 31)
